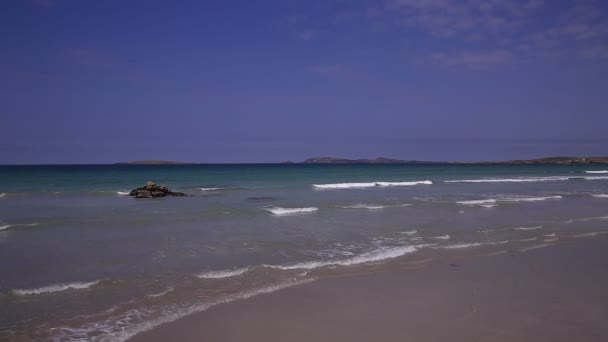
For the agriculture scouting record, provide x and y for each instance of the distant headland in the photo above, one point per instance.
(152, 162)
(382, 160)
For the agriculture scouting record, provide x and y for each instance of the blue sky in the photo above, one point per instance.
(263, 81)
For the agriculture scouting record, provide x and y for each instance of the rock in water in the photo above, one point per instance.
(151, 190)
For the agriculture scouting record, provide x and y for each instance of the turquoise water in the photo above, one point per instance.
(107, 266)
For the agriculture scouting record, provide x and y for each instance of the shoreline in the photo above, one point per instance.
(554, 294)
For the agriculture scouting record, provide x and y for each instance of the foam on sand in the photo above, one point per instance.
(379, 254)
(124, 326)
(368, 185)
(55, 288)
(602, 171)
(290, 211)
(223, 273)
(7, 226)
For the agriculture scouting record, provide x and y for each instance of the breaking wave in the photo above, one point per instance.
(160, 294)
(7, 226)
(290, 211)
(122, 327)
(122, 193)
(372, 256)
(442, 237)
(487, 203)
(223, 273)
(55, 288)
(368, 185)
(600, 195)
(602, 171)
(373, 206)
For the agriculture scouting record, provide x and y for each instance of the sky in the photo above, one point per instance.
(85, 81)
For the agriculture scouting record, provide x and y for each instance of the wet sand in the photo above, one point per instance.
(556, 293)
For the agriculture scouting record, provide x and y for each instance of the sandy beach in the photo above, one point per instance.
(554, 293)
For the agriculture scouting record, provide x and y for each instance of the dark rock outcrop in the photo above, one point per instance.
(151, 190)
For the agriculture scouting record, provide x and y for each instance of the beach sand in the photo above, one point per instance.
(555, 293)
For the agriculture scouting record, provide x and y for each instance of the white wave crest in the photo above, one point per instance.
(122, 193)
(410, 232)
(442, 237)
(7, 226)
(487, 203)
(55, 288)
(529, 199)
(368, 185)
(528, 228)
(595, 178)
(460, 245)
(602, 171)
(588, 219)
(223, 273)
(290, 211)
(372, 256)
(550, 235)
(550, 240)
(470, 244)
(211, 189)
(373, 206)
(425, 182)
(2, 194)
(600, 195)
(162, 293)
(509, 180)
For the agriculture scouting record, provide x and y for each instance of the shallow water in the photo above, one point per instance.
(86, 262)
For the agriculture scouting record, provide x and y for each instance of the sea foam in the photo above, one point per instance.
(600, 196)
(7, 226)
(368, 185)
(529, 199)
(2, 194)
(290, 211)
(55, 288)
(486, 203)
(602, 171)
(509, 180)
(223, 273)
(372, 256)
(122, 193)
(122, 327)
(373, 206)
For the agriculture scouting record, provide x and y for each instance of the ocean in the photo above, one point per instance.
(83, 261)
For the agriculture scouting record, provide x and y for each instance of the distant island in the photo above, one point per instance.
(381, 160)
(152, 162)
